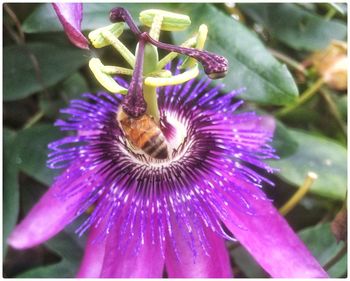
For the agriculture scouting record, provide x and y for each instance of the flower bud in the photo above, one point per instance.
(331, 64)
(339, 225)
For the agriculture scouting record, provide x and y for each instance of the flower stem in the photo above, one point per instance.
(150, 95)
(289, 61)
(17, 23)
(336, 258)
(33, 120)
(334, 110)
(303, 189)
(303, 98)
(151, 62)
(331, 13)
(156, 26)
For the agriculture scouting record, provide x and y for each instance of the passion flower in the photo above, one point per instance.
(173, 212)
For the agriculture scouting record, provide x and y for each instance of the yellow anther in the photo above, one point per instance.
(99, 41)
(114, 70)
(202, 36)
(171, 21)
(105, 80)
(175, 80)
(160, 73)
(303, 189)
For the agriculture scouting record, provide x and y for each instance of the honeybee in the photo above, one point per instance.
(143, 133)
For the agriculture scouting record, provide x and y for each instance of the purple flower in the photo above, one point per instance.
(70, 16)
(177, 212)
(173, 213)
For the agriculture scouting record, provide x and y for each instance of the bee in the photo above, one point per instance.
(144, 133)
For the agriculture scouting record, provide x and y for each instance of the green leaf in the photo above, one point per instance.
(317, 154)
(32, 151)
(247, 264)
(22, 77)
(74, 86)
(11, 188)
(283, 142)
(321, 242)
(43, 14)
(50, 271)
(69, 89)
(68, 244)
(95, 16)
(250, 64)
(294, 26)
(342, 104)
(59, 270)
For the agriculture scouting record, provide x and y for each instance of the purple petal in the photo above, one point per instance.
(126, 257)
(265, 124)
(271, 241)
(210, 262)
(91, 264)
(49, 216)
(70, 16)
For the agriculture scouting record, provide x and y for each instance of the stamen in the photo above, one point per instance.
(120, 14)
(215, 66)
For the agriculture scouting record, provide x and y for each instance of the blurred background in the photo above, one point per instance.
(292, 58)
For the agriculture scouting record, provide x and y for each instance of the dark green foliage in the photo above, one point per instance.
(42, 73)
(294, 26)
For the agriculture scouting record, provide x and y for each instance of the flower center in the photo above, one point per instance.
(174, 130)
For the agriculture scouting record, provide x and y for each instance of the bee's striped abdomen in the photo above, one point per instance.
(144, 134)
(156, 146)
